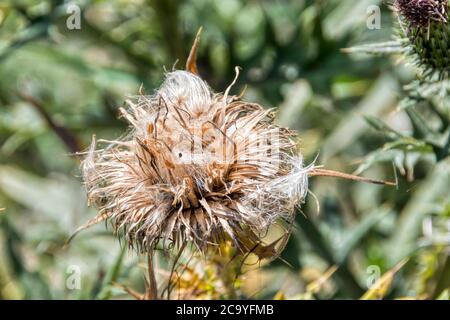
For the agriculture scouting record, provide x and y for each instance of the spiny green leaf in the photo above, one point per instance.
(379, 125)
(356, 234)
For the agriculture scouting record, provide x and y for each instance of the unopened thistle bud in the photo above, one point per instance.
(420, 13)
(428, 33)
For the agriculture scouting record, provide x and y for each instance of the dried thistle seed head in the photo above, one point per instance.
(420, 13)
(197, 167)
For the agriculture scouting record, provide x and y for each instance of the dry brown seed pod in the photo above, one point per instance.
(197, 167)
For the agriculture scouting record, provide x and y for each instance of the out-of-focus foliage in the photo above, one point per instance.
(58, 87)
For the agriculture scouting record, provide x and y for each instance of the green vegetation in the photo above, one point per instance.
(380, 116)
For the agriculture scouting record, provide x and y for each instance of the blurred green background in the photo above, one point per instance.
(59, 86)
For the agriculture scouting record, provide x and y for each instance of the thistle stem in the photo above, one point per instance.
(152, 290)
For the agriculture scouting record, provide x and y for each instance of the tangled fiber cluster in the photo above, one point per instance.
(197, 167)
(420, 13)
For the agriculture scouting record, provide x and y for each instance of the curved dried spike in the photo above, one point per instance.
(87, 225)
(191, 63)
(269, 251)
(330, 173)
(131, 292)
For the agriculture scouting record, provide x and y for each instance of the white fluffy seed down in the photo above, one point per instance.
(197, 167)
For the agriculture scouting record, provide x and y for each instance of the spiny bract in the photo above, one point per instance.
(427, 36)
(197, 167)
(420, 13)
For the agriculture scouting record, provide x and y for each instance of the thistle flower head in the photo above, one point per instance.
(419, 13)
(197, 167)
(427, 38)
